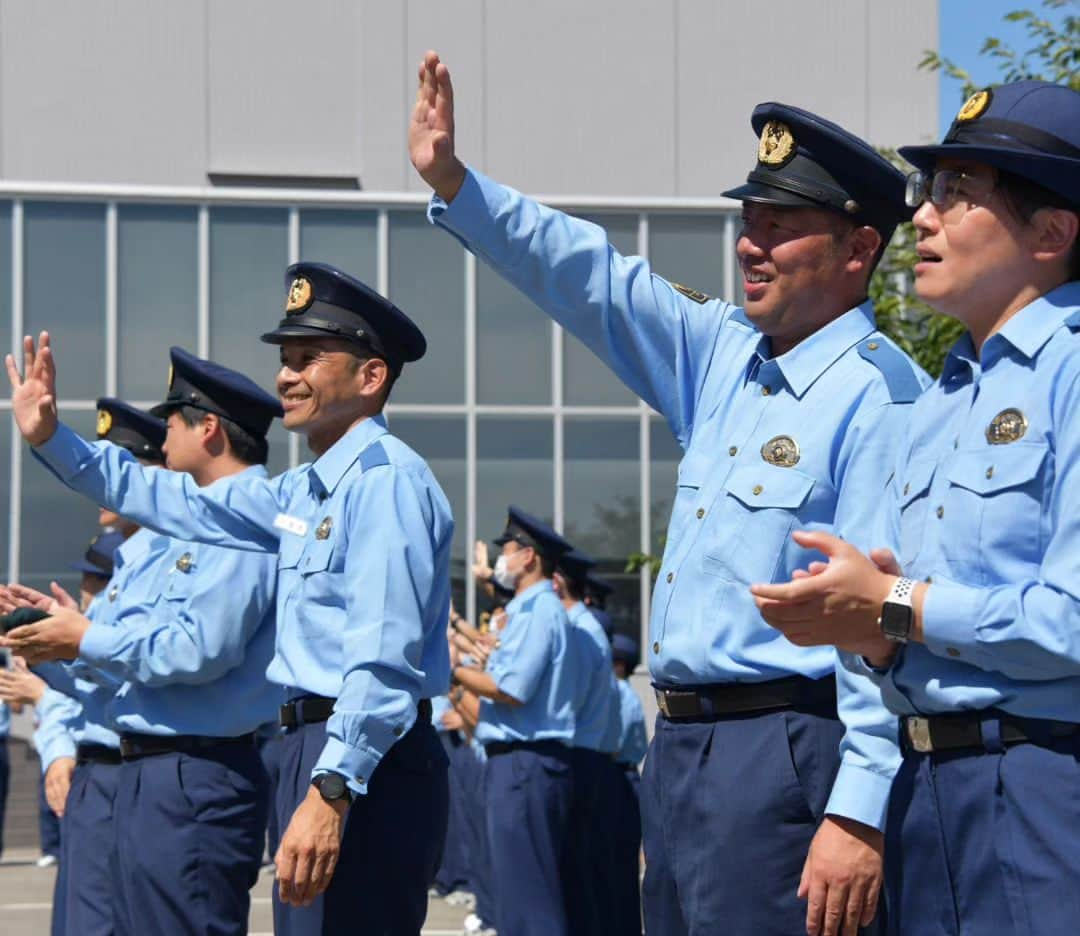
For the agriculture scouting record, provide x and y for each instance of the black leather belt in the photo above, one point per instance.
(308, 710)
(709, 702)
(495, 748)
(929, 734)
(134, 746)
(88, 753)
(626, 765)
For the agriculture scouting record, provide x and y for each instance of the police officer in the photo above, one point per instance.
(588, 879)
(363, 539)
(976, 650)
(189, 638)
(626, 831)
(788, 408)
(526, 723)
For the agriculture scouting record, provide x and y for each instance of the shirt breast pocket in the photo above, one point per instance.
(992, 506)
(177, 587)
(692, 473)
(753, 525)
(914, 487)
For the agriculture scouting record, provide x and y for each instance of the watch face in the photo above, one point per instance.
(896, 621)
(331, 786)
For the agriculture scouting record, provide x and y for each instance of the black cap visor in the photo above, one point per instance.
(770, 195)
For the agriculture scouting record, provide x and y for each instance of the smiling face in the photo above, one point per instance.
(797, 268)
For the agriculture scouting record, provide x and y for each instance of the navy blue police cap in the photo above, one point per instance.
(575, 566)
(98, 558)
(625, 649)
(604, 620)
(139, 432)
(212, 388)
(1027, 128)
(808, 161)
(525, 529)
(323, 300)
(597, 590)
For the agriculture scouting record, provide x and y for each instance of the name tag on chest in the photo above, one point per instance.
(293, 525)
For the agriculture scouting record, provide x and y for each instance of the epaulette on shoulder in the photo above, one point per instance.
(1073, 321)
(527, 607)
(899, 372)
(373, 456)
(699, 297)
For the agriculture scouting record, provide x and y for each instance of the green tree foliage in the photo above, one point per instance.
(1053, 54)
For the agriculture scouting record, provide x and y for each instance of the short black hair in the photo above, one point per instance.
(248, 448)
(1023, 198)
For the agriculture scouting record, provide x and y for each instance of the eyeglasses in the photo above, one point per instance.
(946, 188)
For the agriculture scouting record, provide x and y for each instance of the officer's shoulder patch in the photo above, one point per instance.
(699, 297)
(527, 607)
(373, 456)
(899, 372)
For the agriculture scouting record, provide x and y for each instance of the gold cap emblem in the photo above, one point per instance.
(974, 106)
(1008, 426)
(322, 531)
(777, 145)
(184, 563)
(300, 296)
(782, 451)
(104, 423)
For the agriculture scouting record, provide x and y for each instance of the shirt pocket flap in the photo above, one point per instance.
(764, 485)
(177, 586)
(693, 470)
(915, 480)
(317, 556)
(290, 549)
(989, 470)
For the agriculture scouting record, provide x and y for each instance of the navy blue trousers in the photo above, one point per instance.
(626, 847)
(392, 843)
(453, 872)
(189, 840)
(86, 897)
(729, 808)
(529, 796)
(589, 862)
(48, 824)
(986, 842)
(270, 752)
(478, 853)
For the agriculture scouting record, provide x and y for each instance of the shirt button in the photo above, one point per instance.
(952, 651)
(656, 647)
(757, 489)
(765, 391)
(929, 580)
(940, 512)
(397, 731)
(990, 472)
(700, 512)
(872, 346)
(670, 576)
(360, 780)
(733, 450)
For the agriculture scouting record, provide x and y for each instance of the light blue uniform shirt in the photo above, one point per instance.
(633, 741)
(191, 643)
(534, 664)
(838, 396)
(596, 718)
(363, 571)
(53, 737)
(996, 527)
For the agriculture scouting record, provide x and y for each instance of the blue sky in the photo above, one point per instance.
(964, 24)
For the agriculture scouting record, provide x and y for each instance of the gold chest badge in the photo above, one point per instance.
(1008, 426)
(322, 531)
(104, 423)
(974, 106)
(184, 563)
(300, 296)
(113, 592)
(777, 145)
(782, 451)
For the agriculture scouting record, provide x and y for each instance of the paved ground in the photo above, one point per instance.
(26, 895)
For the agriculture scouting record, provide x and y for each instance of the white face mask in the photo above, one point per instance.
(502, 574)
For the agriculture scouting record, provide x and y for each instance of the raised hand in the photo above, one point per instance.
(431, 130)
(33, 393)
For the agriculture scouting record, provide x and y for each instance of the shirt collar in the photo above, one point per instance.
(816, 353)
(134, 547)
(1030, 328)
(961, 361)
(330, 467)
(531, 592)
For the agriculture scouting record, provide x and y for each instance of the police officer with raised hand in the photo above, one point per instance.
(189, 637)
(526, 723)
(975, 645)
(590, 865)
(789, 410)
(363, 539)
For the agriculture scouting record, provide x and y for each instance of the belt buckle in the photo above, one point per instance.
(918, 733)
(662, 703)
(127, 748)
(287, 716)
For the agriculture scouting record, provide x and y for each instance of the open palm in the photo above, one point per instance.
(431, 130)
(33, 393)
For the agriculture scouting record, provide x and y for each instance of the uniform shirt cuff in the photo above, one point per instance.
(100, 643)
(50, 699)
(62, 746)
(950, 618)
(63, 453)
(471, 210)
(355, 764)
(513, 685)
(860, 794)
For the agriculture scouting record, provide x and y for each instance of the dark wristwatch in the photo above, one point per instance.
(896, 614)
(332, 787)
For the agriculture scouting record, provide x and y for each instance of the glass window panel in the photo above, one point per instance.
(278, 442)
(440, 441)
(157, 294)
(664, 457)
(587, 381)
(513, 344)
(5, 491)
(65, 291)
(248, 256)
(5, 284)
(47, 547)
(689, 249)
(514, 466)
(427, 281)
(347, 239)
